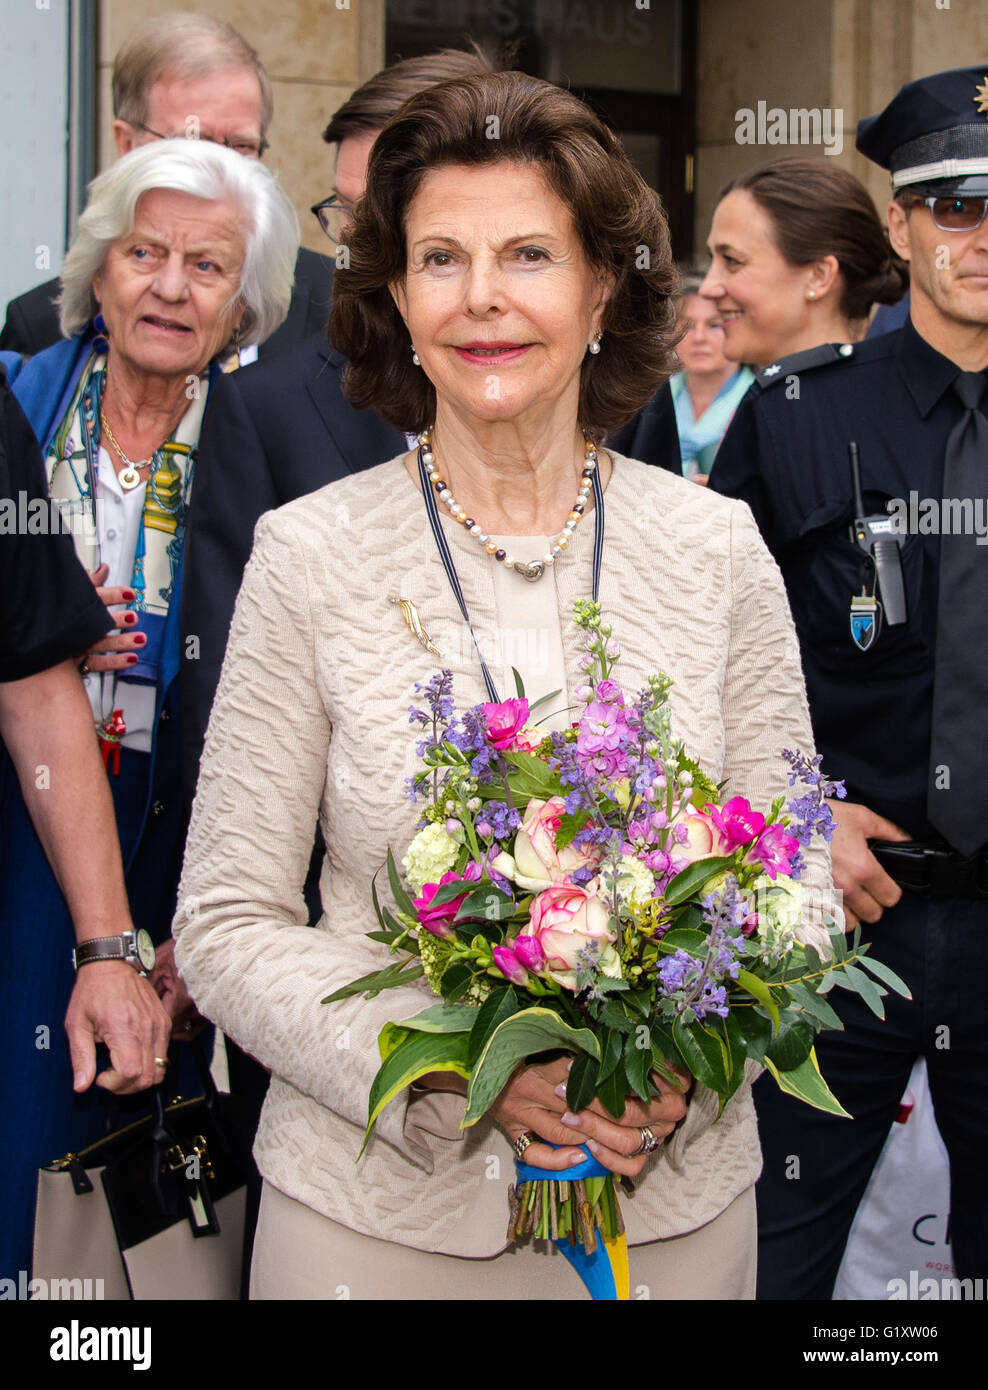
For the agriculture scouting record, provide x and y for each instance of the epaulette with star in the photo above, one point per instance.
(806, 361)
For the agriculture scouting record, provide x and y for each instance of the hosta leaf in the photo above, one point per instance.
(412, 1058)
(499, 1005)
(523, 1035)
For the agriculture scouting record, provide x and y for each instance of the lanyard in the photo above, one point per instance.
(432, 511)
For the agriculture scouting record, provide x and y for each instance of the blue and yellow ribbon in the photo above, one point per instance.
(604, 1271)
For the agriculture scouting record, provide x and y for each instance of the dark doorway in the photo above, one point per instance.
(633, 61)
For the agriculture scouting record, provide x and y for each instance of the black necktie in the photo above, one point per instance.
(957, 795)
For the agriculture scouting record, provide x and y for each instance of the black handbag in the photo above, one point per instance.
(153, 1210)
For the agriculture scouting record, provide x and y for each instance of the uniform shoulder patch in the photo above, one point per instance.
(807, 361)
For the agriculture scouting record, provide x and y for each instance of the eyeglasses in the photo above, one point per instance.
(250, 149)
(332, 212)
(954, 214)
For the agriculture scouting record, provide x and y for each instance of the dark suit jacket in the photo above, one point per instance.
(32, 318)
(651, 435)
(273, 432)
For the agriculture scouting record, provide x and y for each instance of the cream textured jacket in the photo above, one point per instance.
(311, 720)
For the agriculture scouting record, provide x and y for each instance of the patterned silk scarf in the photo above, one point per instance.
(72, 462)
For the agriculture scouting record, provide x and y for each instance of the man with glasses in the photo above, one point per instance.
(188, 75)
(894, 641)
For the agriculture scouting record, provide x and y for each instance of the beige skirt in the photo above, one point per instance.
(299, 1254)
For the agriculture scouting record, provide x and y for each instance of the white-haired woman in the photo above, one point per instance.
(185, 250)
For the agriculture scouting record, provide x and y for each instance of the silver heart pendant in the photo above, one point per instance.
(530, 569)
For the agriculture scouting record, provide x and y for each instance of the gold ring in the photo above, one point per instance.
(161, 1061)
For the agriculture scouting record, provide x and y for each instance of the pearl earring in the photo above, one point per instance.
(811, 294)
(595, 345)
(415, 358)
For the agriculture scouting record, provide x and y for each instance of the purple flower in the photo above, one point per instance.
(509, 965)
(774, 850)
(528, 950)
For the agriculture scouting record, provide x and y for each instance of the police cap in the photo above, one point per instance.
(933, 135)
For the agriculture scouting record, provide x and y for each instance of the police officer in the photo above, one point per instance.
(889, 591)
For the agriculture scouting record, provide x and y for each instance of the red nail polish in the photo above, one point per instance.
(132, 661)
(129, 595)
(140, 639)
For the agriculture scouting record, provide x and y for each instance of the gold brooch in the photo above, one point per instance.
(981, 100)
(414, 623)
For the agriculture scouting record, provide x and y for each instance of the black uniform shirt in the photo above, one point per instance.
(785, 454)
(49, 609)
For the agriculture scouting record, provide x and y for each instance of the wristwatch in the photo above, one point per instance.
(134, 947)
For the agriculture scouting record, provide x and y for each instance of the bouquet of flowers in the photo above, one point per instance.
(589, 893)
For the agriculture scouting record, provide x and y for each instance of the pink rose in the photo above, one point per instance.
(737, 822)
(774, 850)
(537, 863)
(565, 920)
(505, 721)
(694, 836)
(438, 920)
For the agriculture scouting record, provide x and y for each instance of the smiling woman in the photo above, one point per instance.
(181, 248)
(509, 298)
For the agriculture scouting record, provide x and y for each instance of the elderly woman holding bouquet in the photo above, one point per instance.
(499, 301)
(183, 250)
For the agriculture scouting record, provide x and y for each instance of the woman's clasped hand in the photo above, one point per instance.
(535, 1101)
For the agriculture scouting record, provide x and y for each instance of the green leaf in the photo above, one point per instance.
(443, 1018)
(805, 1083)
(570, 826)
(611, 1053)
(499, 1005)
(853, 978)
(543, 700)
(637, 1066)
(756, 1030)
(737, 1050)
(402, 900)
(827, 982)
(401, 973)
(613, 1093)
(693, 877)
(525, 1034)
(447, 893)
(887, 976)
(816, 1007)
(418, 1054)
(814, 965)
(685, 939)
(612, 1014)
(532, 777)
(793, 1045)
(689, 918)
(702, 1054)
(456, 981)
(487, 903)
(581, 1084)
(759, 990)
(519, 684)
(376, 901)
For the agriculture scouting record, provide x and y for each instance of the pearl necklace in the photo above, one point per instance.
(531, 570)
